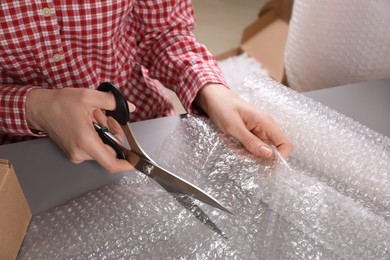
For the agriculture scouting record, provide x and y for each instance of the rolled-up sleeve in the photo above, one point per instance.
(13, 119)
(169, 50)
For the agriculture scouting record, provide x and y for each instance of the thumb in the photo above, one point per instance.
(106, 101)
(102, 100)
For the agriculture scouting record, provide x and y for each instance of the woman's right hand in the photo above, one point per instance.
(67, 116)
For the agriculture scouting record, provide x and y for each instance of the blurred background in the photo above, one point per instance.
(220, 23)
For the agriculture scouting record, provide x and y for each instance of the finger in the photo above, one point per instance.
(276, 137)
(100, 117)
(106, 101)
(112, 125)
(251, 142)
(116, 129)
(102, 120)
(78, 152)
(102, 100)
(106, 156)
(131, 107)
(107, 159)
(285, 149)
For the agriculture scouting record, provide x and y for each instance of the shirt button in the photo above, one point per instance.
(57, 57)
(46, 11)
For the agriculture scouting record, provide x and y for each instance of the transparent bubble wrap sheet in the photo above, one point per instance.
(330, 200)
(332, 43)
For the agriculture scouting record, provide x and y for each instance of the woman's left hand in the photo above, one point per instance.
(255, 129)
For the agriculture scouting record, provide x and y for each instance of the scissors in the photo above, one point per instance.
(139, 159)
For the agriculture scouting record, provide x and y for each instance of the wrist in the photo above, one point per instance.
(207, 94)
(35, 98)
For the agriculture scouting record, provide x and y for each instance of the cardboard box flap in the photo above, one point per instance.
(282, 8)
(15, 214)
(265, 40)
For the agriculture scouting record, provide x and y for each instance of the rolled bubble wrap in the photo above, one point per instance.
(330, 200)
(333, 43)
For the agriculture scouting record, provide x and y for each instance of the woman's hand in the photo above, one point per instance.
(67, 116)
(253, 128)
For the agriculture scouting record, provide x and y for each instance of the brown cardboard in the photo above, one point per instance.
(266, 37)
(15, 215)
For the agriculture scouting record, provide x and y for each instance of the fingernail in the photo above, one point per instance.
(131, 107)
(265, 151)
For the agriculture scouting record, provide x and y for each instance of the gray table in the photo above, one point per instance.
(367, 102)
(49, 179)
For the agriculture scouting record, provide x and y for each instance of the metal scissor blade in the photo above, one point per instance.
(172, 182)
(178, 190)
(188, 203)
(145, 164)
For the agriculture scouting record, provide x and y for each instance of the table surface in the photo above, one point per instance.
(367, 102)
(49, 179)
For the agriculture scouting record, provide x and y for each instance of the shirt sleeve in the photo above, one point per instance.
(13, 119)
(169, 49)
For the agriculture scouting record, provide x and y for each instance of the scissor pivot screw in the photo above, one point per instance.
(148, 168)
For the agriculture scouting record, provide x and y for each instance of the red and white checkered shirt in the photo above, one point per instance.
(137, 45)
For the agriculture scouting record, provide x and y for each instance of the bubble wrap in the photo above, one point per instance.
(236, 68)
(330, 200)
(332, 43)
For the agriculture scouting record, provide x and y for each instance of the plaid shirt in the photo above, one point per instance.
(137, 45)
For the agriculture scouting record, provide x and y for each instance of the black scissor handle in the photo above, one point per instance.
(121, 114)
(109, 139)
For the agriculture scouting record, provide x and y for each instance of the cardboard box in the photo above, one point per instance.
(266, 37)
(15, 214)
